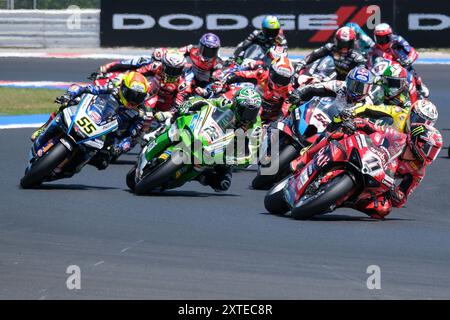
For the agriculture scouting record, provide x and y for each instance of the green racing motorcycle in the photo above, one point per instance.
(181, 152)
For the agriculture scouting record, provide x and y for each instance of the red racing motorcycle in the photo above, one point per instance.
(342, 173)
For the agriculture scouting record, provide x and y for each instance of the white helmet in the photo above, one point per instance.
(424, 112)
(173, 64)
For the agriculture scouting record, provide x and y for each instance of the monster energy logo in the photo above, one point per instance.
(417, 131)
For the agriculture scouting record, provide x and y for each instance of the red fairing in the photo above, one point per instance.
(379, 149)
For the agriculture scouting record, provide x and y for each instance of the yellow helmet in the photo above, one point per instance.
(133, 89)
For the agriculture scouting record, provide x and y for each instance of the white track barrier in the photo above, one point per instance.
(50, 28)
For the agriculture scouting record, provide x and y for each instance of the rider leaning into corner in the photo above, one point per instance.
(270, 35)
(246, 105)
(130, 91)
(274, 84)
(388, 43)
(363, 43)
(204, 58)
(355, 89)
(410, 154)
(343, 51)
(395, 85)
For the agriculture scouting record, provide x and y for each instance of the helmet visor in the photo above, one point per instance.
(383, 39)
(270, 33)
(208, 53)
(278, 79)
(358, 88)
(431, 152)
(173, 71)
(416, 117)
(247, 115)
(133, 97)
(341, 44)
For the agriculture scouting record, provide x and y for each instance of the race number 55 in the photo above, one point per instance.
(86, 125)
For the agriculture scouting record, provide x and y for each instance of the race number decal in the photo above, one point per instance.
(86, 125)
(212, 133)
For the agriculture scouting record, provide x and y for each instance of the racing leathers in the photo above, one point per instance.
(130, 123)
(170, 94)
(408, 173)
(201, 71)
(219, 177)
(400, 50)
(275, 102)
(332, 88)
(363, 42)
(257, 37)
(343, 62)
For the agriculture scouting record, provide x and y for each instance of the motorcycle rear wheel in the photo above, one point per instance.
(265, 182)
(327, 195)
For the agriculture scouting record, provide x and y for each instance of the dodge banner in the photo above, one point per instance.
(307, 23)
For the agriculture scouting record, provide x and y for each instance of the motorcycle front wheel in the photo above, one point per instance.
(43, 166)
(325, 197)
(274, 201)
(156, 177)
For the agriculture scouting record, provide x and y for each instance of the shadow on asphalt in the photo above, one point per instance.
(338, 217)
(71, 187)
(191, 194)
(126, 162)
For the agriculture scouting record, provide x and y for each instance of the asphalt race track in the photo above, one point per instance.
(193, 243)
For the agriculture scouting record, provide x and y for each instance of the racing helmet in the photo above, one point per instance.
(133, 89)
(344, 39)
(359, 82)
(394, 78)
(246, 105)
(173, 64)
(382, 36)
(270, 27)
(209, 46)
(280, 72)
(422, 112)
(425, 142)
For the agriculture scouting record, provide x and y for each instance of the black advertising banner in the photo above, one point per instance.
(424, 24)
(307, 23)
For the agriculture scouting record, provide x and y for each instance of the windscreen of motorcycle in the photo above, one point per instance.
(95, 116)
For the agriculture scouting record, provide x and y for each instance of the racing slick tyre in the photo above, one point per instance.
(325, 197)
(157, 177)
(265, 182)
(131, 182)
(274, 201)
(42, 167)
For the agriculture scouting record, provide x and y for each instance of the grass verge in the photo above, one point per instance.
(27, 101)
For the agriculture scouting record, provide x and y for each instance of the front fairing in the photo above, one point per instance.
(91, 119)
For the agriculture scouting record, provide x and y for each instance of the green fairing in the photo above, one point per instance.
(189, 126)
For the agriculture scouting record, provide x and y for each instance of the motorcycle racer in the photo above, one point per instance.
(130, 91)
(363, 42)
(271, 34)
(397, 48)
(246, 105)
(273, 84)
(343, 51)
(397, 88)
(355, 88)
(172, 88)
(422, 112)
(413, 152)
